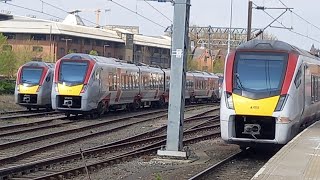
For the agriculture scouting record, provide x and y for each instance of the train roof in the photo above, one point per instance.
(98, 59)
(39, 64)
(276, 45)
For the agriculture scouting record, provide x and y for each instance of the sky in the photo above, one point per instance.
(215, 13)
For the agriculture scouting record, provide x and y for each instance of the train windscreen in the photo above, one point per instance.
(259, 72)
(72, 72)
(31, 75)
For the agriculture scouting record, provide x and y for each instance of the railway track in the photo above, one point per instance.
(25, 153)
(14, 112)
(46, 123)
(243, 165)
(136, 148)
(134, 141)
(27, 115)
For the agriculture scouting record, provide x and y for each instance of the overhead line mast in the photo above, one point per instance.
(174, 145)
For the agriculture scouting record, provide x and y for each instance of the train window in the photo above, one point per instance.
(136, 81)
(122, 82)
(318, 89)
(112, 82)
(297, 80)
(314, 88)
(48, 78)
(161, 84)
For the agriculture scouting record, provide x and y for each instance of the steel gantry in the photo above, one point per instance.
(218, 36)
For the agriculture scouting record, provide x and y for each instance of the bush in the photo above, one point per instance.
(7, 86)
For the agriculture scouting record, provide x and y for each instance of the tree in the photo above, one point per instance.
(71, 51)
(192, 65)
(93, 52)
(3, 41)
(24, 54)
(8, 63)
(7, 58)
(218, 66)
(267, 36)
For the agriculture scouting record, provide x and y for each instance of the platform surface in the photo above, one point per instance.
(299, 159)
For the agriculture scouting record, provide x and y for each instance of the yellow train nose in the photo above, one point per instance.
(259, 107)
(69, 90)
(28, 89)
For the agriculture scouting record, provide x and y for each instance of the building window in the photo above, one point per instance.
(62, 51)
(118, 45)
(38, 37)
(108, 43)
(98, 43)
(86, 41)
(37, 48)
(75, 40)
(10, 35)
(7, 47)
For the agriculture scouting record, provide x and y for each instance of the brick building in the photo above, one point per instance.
(50, 40)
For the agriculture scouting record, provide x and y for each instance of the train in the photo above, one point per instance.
(87, 84)
(34, 84)
(270, 93)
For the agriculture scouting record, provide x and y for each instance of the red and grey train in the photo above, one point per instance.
(271, 90)
(34, 84)
(92, 84)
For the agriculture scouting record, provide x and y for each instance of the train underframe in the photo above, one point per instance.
(76, 105)
(253, 131)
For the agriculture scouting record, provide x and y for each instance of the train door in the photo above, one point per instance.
(96, 83)
(307, 91)
(299, 84)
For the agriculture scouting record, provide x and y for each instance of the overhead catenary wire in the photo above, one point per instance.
(137, 13)
(158, 11)
(31, 10)
(317, 27)
(63, 10)
(291, 30)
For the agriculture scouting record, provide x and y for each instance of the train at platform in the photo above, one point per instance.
(87, 84)
(271, 90)
(34, 84)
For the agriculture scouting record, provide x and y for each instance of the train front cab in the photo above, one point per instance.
(32, 84)
(70, 92)
(255, 102)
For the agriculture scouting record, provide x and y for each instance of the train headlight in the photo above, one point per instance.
(84, 88)
(229, 101)
(281, 102)
(284, 120)
(56, 87)
(38, 89)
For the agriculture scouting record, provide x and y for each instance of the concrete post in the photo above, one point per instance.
(174, 145)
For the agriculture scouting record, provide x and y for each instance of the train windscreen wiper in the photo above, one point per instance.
(239, 84)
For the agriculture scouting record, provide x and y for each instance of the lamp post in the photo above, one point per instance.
(50, 37)
(229, 34)
(104, 49)
(106, 11)
(63, 39)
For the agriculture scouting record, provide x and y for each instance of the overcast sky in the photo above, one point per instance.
(203, 13)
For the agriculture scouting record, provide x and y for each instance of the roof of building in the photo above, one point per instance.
(72, 26)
